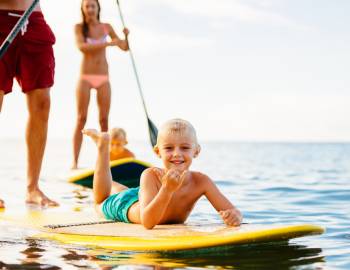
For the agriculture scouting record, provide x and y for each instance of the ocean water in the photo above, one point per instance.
(269, 182)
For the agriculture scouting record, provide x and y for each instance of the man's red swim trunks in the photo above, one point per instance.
(30, 57)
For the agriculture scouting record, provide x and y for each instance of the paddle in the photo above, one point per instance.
(153, 131)
(17, 27)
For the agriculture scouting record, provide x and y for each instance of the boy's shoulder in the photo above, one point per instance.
(199, 176)
(195, 175)
(151, 171)
(128, 152)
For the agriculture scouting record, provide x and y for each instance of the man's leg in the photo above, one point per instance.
(38, 102)
(2, 204)
(2, 93)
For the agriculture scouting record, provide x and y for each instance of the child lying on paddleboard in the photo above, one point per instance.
(166, 195)
(118, 142)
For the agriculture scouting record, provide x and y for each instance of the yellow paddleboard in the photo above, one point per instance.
(126, 171)
(81, 228)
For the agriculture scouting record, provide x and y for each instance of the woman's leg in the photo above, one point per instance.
(83, 99)
(103, 185)
(104, 103)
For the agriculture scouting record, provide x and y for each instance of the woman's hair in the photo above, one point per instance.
(85, 25)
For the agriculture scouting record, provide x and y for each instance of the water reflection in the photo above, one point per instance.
(271, 183)
(279, 255)
(31, 259)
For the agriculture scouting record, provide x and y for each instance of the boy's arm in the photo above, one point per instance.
(156, 190)
(154, 199)
(228, 212)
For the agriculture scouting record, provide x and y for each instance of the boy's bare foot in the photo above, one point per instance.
(2, 204)
(37, 197)
(100, 138)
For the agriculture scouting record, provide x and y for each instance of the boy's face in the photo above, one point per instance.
(177, 150)
(117, 144)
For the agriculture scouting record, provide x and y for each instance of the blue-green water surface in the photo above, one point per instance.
(284, 183)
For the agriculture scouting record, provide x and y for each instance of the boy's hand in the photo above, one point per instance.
(171, 179)
(231, 217)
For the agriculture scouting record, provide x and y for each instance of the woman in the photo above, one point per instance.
(92, 40)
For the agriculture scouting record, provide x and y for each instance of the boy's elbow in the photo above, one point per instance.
(148, 224)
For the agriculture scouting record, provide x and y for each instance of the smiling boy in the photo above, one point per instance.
(166, 195)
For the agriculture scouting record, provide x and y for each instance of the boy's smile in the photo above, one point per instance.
(177, 150)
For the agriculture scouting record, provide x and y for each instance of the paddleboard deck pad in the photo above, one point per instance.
(86, 229)
(126, 171)
(134, 237)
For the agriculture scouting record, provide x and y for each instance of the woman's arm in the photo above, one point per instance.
(121, 43)
(86, 47)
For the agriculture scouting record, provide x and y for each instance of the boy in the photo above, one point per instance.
(118, 142)
(165, 195)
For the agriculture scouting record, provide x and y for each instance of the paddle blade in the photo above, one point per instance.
(153, 132)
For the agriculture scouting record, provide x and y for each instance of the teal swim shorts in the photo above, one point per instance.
(116, 206)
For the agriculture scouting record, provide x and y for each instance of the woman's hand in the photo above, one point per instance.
(126, 32)
(231, 217)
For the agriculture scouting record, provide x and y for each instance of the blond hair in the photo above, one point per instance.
(118, 134)
(177, 126)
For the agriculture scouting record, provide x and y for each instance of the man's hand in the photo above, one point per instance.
(231, 217)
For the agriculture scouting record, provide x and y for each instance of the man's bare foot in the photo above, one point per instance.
(37, 197)
(100, 138)
(2, 204)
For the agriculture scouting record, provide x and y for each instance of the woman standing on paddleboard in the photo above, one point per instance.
(93, 37)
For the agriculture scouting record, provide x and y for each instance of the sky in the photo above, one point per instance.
(239, 70)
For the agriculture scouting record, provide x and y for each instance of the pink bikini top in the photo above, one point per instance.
(101, 40)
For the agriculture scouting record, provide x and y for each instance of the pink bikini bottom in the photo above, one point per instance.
(95, 80)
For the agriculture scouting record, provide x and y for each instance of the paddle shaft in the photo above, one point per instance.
(152, 128)
(11, 36)
(133, 63)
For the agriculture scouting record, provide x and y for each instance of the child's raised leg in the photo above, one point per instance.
(103, 183)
